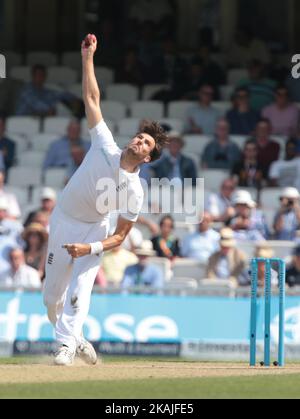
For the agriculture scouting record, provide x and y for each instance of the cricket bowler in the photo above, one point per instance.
(80, 222)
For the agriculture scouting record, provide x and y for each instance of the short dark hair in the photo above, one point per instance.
(155, 130)
(167, 218)
(39, 67)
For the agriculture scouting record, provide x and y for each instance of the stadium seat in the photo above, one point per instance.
(114, 111)
(181, 284)
(105, 77)
(41, 57)
(32, 159)
(85, 129)
(217, 287)
(213, 178)
(175, 124)
(22, 144)
(223, 107)
(269, 198)
(124, 93)
(149, 90)
(56, 125)
(42, 142)
(226, 92)
(63, 76)
(186, 268)
(13, 59)
(182, 230)
(72, 59)
(147, 110)
(282, 249)
(178, 109)
(63, 111)
(236, 75)
(239, 140)
(25, 126)
(55, 178)
(164, 265)
(76, 90)
(22, 73)
(195, 144)
(24, 176)
(128, 126)
(20, 193)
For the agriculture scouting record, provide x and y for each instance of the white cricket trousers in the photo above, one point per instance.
(69, 283)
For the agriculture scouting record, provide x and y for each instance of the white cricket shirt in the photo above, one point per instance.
(100, 186)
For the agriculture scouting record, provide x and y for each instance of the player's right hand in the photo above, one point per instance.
(89, 46)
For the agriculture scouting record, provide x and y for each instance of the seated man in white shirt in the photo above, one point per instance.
(286, 173)
(219, 205)
(19, 275)
(202, 244)
(13, 211)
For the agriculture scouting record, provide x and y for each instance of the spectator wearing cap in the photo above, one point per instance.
(115, 264)
(174, 165)
(59, 153)
(229, 263)
(221, 153)
(248, 223)
(19, 275)
(7, 146)
(48, 202)
(283, 114)
(35, 237)
(285, 173)
(203, 243)
(166, 244)
(287, 219)
(38, 100)
(202, 118)
(267, 150)
(13, 208)
(10, 234)
(143, 274)
(219, 205)
(248, 172)
(262, 251)
(241, 118)
(293, 270)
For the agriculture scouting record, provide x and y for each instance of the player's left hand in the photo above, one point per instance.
(77, 250)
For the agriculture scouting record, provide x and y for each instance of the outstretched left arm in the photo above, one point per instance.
(123, 229)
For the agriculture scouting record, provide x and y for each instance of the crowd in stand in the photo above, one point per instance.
(263, 107)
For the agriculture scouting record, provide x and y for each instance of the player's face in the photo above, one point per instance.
(141, 147)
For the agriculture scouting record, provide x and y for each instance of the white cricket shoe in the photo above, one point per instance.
(64, 357)
(87, 352)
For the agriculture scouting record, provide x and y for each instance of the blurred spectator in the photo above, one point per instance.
(262, 251)
(287, 219)
(221, 153)
(293, 270)
(36, 239)
(101, 280)
(115, 263)
(219, 205)
(143, 274)
(174, 164)
(166, 245)
(203, 243)
(261, 89)
(229, 263)
(245, 48)
(48, 202)
(7, 146)
(242, 119)
(283, 114)
(37, 100)
(155, 11)
(248, 223)
(131, 70)
(202, 118)
(174, 67)
(13, 208)
(268, 150)
(10, 232)
(212, 74)
(110, 47)
(284, 173)
(59, 153)
(43, 218)
(248, 172)
(78, 153)
(19, 275)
